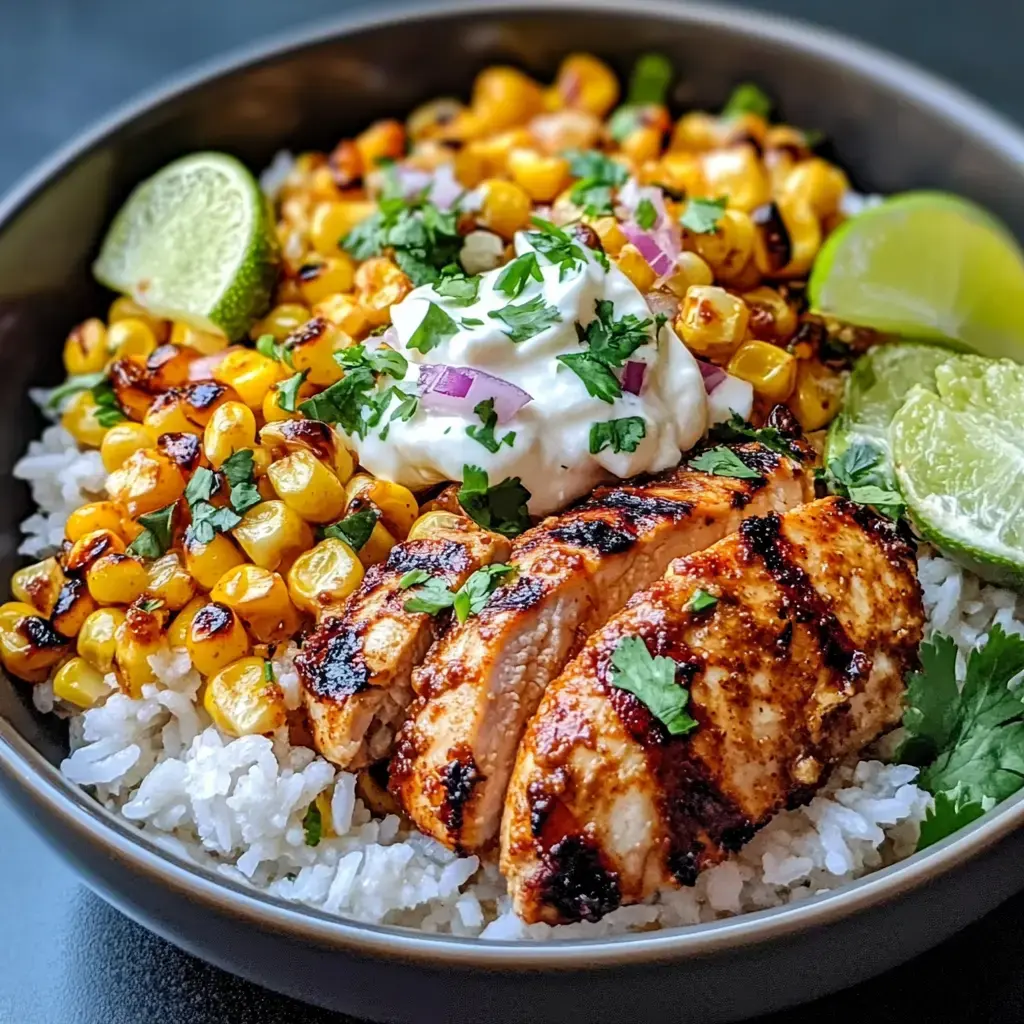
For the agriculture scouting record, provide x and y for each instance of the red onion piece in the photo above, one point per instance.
(440, 185)
(661, 261)
(203, 368)
(633, 376)
(663, 303)
(713, 375)
(459, 389)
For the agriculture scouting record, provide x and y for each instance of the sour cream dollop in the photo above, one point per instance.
(551, 451)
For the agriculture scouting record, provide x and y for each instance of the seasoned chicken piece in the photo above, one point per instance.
(797, 664)
(355, 669)
(481, 682)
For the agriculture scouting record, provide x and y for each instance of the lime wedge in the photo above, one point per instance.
(926, 265)
(958, 457)
(195, 243)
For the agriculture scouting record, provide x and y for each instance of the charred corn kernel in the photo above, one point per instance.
(379, 285)
(711, 321)
(586, 83)
(696, 132)
(73, 606)
(272, 534)
(242, 701)
(123, 308)
(201, 341)
(79, 683)
(683, 172)
(788, 237)
(215, 638)
(433, 118)
(505, 207)
(378, 547)
(305, 484)
(85, 350)
(771, 316)
(97, 638)
(333, 221)
(116, 579)
(612, 237)
(817, 183)
(208, 562)
(769, 369)
(148, 480)
(540, 177)
(817, 396)
(168, 415)
(690, 269)
(260, 598)
(325, 275)
(168, 580)
(29, 645)
(636, 268)
(123, 440)
(169, 367)
(557, 132)
(311, 349)
(90, 546)
(130, 337)
(177, 632)
(728, 248)
(642, 143)
(504, 97)
(231, 428)
(205, 397)
(131, 382)
(79, 420)
(430, 523)
(343, 311)
(272, 411)
(281, 321)
(251, 374)
(737, 173)
(38, 585)
(383, 140)
(397, 504)
(137, 639)
(322, 578)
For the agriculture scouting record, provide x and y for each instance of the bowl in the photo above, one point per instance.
(893, 127)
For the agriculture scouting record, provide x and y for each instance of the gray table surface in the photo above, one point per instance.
(67, 958)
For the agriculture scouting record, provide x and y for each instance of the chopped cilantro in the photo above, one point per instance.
(485, 434)
(598, 175)
(648, 86)
(653, 681)
(556, 245)
(268, 672)
(207, 521)
(355, 529)
(701, 216)
(380, 360)
(501, 508)
(458, 289)
(288, 391)
(150, 604)
(724, 462)
(528, 319)
(201, 486)
(412, 578)
(470, 599)
(747, 98)
(108, 409)
(312, 825)
(645, 214)
(435, 328)
(238, 471)
(74, 384)
(518, 274)
(155, 538)
(345, 401)
(267, 345)
(860, 474)
(701, 601)
(736, 428)
(622, 435)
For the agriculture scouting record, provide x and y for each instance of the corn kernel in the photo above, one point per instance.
(612, 237)
(712, 322)
(737, 173)
(397, 504)
(729, 247)
(97, 639)
(169, 366)
(78, 683)
(817, 396)
(38, 585)
(561, 130)
(433, 118)
(260, 598)
(504, 97)
(250, 373)
(378, 547)
(505, 207)
(85, 350)
(281, 321)
(771, 316)
(817, 183)
(201, 341)
(242, 701)
(231, 428)
(137, 639)
(130, 337)
(312, 347)
(689, 270)
(430, 524)
(305, 484)
(177, 632)
(116, 579)
(148, 480)
(324, 276)
(643, 143)
(131, 382)
(333, 221)
(90, 546)
(79, 420)
(272, 534)
(121, 441)
(29, 645)
(168, 580)
(73, 606)
(788, 237)
(208, 562)
(168, 415)
(379, 285)
(383, 140)
(586, 83)
(540, 177)
(215, 638)
(343, 311)
(205, 397)
(636, 268)
(769, 369)
(323, 578)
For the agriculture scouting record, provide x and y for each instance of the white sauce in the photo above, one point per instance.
(551, 453)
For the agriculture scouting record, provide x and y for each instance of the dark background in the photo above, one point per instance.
(65, 957)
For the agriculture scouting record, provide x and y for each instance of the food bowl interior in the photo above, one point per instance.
(891, 128)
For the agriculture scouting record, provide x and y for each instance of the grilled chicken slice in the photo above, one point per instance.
(355, 669)
(799, 664)
(481, 682)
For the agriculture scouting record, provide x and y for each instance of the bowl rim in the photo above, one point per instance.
(25, 767)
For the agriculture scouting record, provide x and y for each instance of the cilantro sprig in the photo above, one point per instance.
(722, 461)
(702, 216)
(747, 98)
(518, 274)
(435, 328)
(526, 320)
(501, 508)
(736, 428)
(432, 594)
(861, 474)
(598, 175)
(157, 531)
(621, 435)
(654, 681)
(354, 530)
(484, 434)
(648, 86)
(557, 246)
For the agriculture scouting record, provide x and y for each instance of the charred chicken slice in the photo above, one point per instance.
(481, 682)
(792, 636)
(355, 669)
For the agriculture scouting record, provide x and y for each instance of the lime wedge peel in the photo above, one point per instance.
(926, 265)
(195, 243)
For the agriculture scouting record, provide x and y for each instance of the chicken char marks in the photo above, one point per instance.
(799, 664)
(481, 682)
(355, 668)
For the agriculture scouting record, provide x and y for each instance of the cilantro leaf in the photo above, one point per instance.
(458, 289)
(435, 328)
(501, 508)
(380, 360)
(74, 384)
(861, 474)
(268, 672)
(736, 428)
(649, 80)
(485, 434)
(108, 409)
(701, 216)
(621, 435)
(598, 175)
(599, 381)
(312, 825)
(701, 601)
(201, 486)
(355, 529)
(653, 681)
(288, 391)
(470, 599)
(345, 401)
(150, 604)
(207, 521)
(724, 462)
(238, 471)
(433, 596)
(155, 538)
(556, 245)
(412, 577)
(526, 320)
(949, 813)
(645, 214)
(747, 98)
(518, 274)
(267, 345)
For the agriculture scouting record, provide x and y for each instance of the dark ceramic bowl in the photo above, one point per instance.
(893, 127)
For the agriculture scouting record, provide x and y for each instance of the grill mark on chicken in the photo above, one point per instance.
(331, 661)
(448, 556)
(458, 777)
(576, 882)
(639, 509)
(597, 534)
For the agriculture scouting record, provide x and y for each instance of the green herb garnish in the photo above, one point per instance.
(860, 475)
(288, 391)
(598, 175)
(485, 434)
(736, 428)
(355, 529)
(645, 214)
(702, 216)
(557, 246)
(653, 681)
(380, 360)
(747, 98)
(701, 601)
(527, 319)
(501, 508)
(158, 528)
(621, 435)
(648, 86)
(268, 672)
(435, 328)
(150, 604)
(518, 274)
(724, 462)
(470, 599)
(458, 289)
(74, 384)
(312, 825)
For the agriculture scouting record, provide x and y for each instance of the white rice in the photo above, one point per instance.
(237, 805)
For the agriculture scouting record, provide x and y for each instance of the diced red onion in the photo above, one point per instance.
(441, 186)
(459, 389)
(713, 375)
(661, 261)
(664, 303)
(660, 244)
(203, 368)
(633, 376)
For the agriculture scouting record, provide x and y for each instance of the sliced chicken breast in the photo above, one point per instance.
(355, 669)
(481, 682)
(798, 663)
